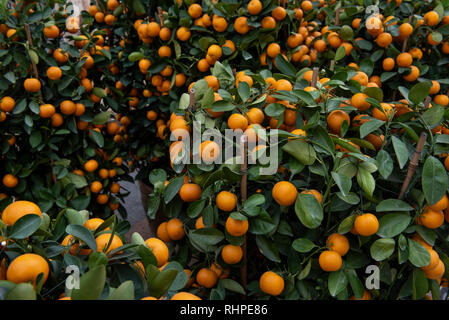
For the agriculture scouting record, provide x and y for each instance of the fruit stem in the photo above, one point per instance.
(413, 164)
(243, 193)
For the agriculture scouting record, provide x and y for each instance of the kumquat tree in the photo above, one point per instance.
(285, 150)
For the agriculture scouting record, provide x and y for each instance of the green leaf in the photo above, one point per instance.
(22, 291)
(384, 163)
(268, 248)
(337, 282)
(254, 201)
(419, 92)
(97, 137)
(370, 126)
(154, 201)
(222, 106)
(195, 208)
(356, 284)
(434, 180)
(301, 150)
(284, 66)
(162, 282)
(366, 181)
(172, 188)
(343, 181)
(35, 139)
(393, 205)
(124, 292)
(91, 284)
(77, 180)
(244, 91)
(381, 249)
(157, 175)
(375, 93)
(303, 245)
(101, 118)
(392, 224)
(420, 284)
(82, 234)
(401, 151)
(99, 92)
(25, 226)
(206, 238)
(340, 54)
(232, 285)
(309, 210)
(434, 116)
(346, 225)
(418, 255)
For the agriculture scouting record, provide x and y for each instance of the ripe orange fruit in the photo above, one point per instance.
(431, 219)
(366, 296)
(190, 192)
(330, 261)
(67, 107)
(435, 87)
(7, 104)
(236, 228)
(335, 120)
(96, 186)
(54, 73)
(195, 10)
(219, 23)
(315, 193)
(388, 64)
(283, 84)
(361, 77)
(405, 30)
(366, 224)
(268, 23)
(91, 165)
(26, 268)
(271, 283)
(206, 278)
(279, 13)
(103, 239)
(175, 229)
(338, 243)
(159, 249)
(46, 110)
(164, 51)
(183, 34)
(185, 296)
(241, 25)
(359, 101)
(384, 114)
(74, 249)
(284, 193)
(254, 7)
(431, 18)
(17, 210)
(162, 233)
(442, 204)
(384, 39)
(237, 121)
(231, 254)
(413, 75)
(404, 60)
(93, 224)
(437, 272)
(434, 260)
(51, 32)
(226, 201)
(273, 50)
(32, 85)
